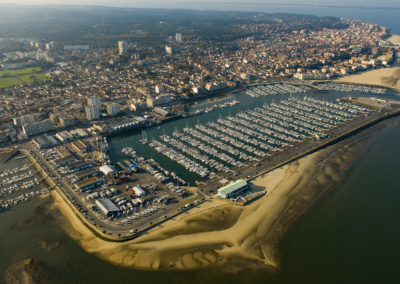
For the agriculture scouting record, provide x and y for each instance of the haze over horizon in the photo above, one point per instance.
(210, 4)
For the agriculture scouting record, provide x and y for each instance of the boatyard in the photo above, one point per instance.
(138, 193)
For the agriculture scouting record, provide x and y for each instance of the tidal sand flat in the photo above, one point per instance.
(219, 231)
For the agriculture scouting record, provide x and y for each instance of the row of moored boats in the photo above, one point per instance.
(276, 89)
(7, 204)
(347, 88)
(17, 179)
(252, 134)
(158, 172)
(217, 106)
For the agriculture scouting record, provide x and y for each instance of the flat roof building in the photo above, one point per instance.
(88, 173)
(7, 134)
(92, 112)
(87, 184)
(64, 136)
(106, 170)
(62, 152)
(38, 127)
(67, 121)
(169, 49)
(64, 161)
(79, 165)
(178, 37)
(81, 133)
(113, 109)
(79, 147)
(161, 112)
(122, 47)
(25, 120)
(94, 101)
(139, 191)
(107, 207)
(232, 189)
(44, 141)
(159, 100)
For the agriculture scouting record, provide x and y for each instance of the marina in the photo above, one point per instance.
(253, 134)
(347, 88)
(275, 89)
(223, 141)
(19, 183)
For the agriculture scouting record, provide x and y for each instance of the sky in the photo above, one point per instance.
(206, 3)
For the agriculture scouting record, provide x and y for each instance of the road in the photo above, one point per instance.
(99, 224)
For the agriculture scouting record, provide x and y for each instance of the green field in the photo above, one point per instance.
(30, 78)
(11, 78)
(12, 73)
(9, 82)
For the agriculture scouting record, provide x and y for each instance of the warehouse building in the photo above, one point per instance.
(79, 147)
(232, 189)
(64, 136)
(38, 127)
(44, 141)
(106, 170)
(63, 152)
(79, 165)
(79, 133)
(88, 184)
(126, 125)
(88, 173)
(107, 207)
(64, 161)
(161, 112)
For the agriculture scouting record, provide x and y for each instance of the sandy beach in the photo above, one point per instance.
(395, 39)
(388, 77)
(218, 231)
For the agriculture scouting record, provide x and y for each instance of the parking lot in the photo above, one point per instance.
(141, 197)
